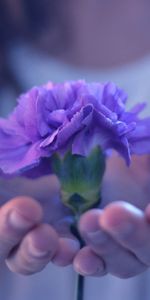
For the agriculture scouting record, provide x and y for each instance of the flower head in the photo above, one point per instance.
(72, 116)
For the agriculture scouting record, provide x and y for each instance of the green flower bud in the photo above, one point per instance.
(80, 178)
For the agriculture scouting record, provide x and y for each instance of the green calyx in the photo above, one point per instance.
(80, 178)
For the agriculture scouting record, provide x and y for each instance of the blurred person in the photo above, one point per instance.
(57, 41)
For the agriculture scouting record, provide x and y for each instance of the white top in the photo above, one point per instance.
(58, 283)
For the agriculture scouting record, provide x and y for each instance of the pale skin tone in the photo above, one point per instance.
(116, 234)
(41, 232)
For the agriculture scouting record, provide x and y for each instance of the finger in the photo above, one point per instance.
(129, 227)
(119, 261)
(68, 248)
(147, 213)
(87, 263)
(17, 217)
(69, 245)
(35, 252)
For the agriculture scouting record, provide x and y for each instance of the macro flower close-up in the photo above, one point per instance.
(72, 116)
(74, 150)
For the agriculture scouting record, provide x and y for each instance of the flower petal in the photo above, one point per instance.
(75, 125)
(20, 159)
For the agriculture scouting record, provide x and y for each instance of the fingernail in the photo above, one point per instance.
(90, 268)
(19, 221)
(38, 252)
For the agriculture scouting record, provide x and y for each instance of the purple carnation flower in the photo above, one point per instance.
(72, 116)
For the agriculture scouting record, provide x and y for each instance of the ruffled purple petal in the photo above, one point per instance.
(75, 125)
(43, 168)
(25, 115)
(20, 159)
(114, 98)
(76, 116)
(86, 140)
(139, 139)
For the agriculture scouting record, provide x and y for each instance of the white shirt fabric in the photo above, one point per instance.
(58, 283)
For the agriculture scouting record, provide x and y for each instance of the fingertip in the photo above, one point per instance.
(35, 251)
(66, 251)
(89, 221)
(28, 207)
(44, 238)
(88, 263)
(147, 213)
(117, 213)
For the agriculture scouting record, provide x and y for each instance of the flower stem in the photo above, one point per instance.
(79, 289)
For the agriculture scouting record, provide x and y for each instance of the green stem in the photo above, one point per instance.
(79, 289)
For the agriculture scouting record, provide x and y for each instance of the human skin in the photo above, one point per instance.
(39, 231)
(42, 231)
(117, 234)
(28, 245)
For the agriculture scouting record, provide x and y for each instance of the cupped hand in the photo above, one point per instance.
(117, 234)
(34, 232)
(41, 230)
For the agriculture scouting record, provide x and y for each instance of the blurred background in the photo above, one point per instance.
(58, 40)
(65, 39)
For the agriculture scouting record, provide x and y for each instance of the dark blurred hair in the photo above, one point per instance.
(38, 15)
(41, 14)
